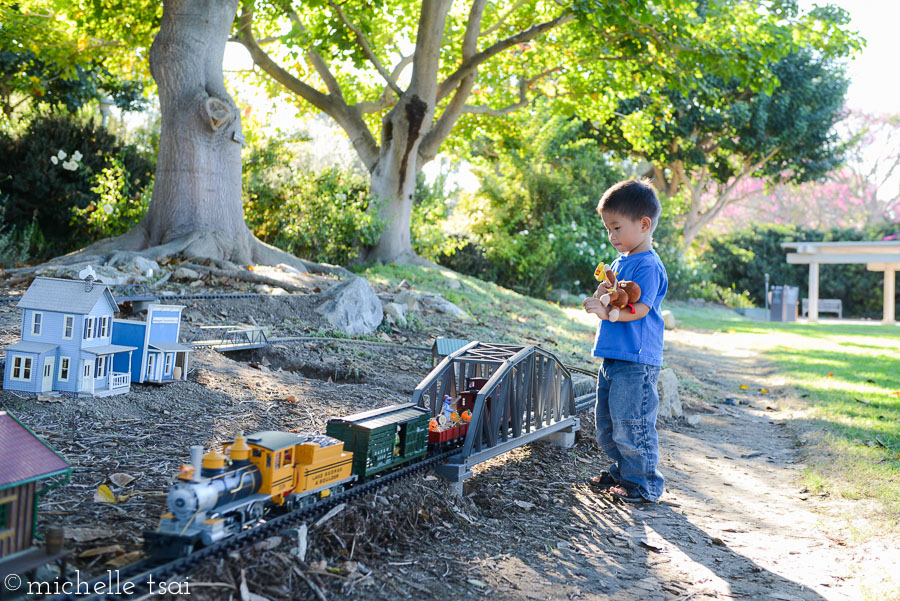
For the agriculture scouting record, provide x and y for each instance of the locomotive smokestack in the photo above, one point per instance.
(197, 460)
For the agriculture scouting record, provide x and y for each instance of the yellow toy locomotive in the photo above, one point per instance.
(219, 494)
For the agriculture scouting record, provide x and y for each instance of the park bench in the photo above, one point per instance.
(826, 305)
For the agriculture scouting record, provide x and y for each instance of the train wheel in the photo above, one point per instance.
(253, 513)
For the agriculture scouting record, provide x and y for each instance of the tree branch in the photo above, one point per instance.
(502, 19)
(444, 125)
(469, 65)
(318, 62)
(332, 105)
(367, 50)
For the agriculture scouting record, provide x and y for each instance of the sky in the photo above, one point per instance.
(874, 81)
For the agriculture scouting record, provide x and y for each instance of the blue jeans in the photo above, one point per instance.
(627, 405)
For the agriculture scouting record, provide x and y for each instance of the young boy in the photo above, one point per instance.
(631, 347)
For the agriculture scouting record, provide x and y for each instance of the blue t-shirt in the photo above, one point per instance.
(639, 341)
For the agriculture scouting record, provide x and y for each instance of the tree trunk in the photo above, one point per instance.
(393, 182)
(197, 191)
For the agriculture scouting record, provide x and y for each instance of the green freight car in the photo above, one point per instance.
(382, 438)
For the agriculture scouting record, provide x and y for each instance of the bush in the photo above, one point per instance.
(118, 207)
(50, 169)
(533, 225)
(739, 260)
(320, 216)
(431, 207)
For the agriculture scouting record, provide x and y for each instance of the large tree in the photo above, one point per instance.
(702, 146)
(399, 75)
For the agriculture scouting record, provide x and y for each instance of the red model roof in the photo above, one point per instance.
(24, 456)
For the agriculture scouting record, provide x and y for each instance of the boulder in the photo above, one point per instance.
(395, 311)
(669, 319)
(352, 307)
(102, 273)
(409, 299)
(183, 273)
(438, 303)
(453, 284)
(669, 402)
(560, 296)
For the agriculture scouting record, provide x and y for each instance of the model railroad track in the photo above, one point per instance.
(138, 575)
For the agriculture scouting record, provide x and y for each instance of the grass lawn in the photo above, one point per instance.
(850, 376)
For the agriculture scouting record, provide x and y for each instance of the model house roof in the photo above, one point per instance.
(169, 347)
(24, 456)
(107, 349)
(31, 347)
(64, 296)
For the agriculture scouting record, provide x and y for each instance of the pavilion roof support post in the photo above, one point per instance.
(813, 292)
(890, 299)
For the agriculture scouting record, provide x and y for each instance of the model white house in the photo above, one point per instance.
(66, 343)
(159, 357)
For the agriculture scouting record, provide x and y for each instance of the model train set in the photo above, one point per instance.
(479, 401)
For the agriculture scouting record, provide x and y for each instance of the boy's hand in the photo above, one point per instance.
(602, 289)
(593, 305)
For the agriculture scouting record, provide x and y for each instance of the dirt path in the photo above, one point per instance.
(734, 522)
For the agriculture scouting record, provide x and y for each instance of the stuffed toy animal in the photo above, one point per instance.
(618, 295)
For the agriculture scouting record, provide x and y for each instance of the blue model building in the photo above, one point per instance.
(159, 357)
(66, 342)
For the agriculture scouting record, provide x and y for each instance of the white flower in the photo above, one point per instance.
(61, 154)
(523, 233)
(341, 196)
(580, 252)
(54, 160)
(70, 165)
(108, 209)
(76, 156)
(603, 246)
(574, 227)
(551, 236)
(695, 272)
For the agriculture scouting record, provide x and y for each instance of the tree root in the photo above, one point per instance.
(192, 249)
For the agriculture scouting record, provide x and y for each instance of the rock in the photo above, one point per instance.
(453, 284)
(438, 303)
(395, 311)
(352, 307)
(196, 284)
(404, 284)
(669, 319)
(410, 300)
(694, 419)
(183, 273)
(669, 403)
(270, 290)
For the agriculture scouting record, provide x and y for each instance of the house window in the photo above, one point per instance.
(101, 366)
(37, 319)
(168, 365)
(21, 368)
(5, 505)
(87, 369)
(103, 327)
(63, 369)
(47, 370)
(68, 327)
(88, 328)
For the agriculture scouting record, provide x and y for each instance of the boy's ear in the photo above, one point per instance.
(646, 223)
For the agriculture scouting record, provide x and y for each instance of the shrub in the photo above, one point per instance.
(740, 260)
(49, 170)
(118, 207)
(533, 225)
(431, 207)
(321, 216)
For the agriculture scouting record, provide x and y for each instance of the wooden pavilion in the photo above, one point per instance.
(878, 256)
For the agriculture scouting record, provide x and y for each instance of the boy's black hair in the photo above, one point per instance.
(632, 198)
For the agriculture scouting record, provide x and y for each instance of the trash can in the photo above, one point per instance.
(784, 303)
